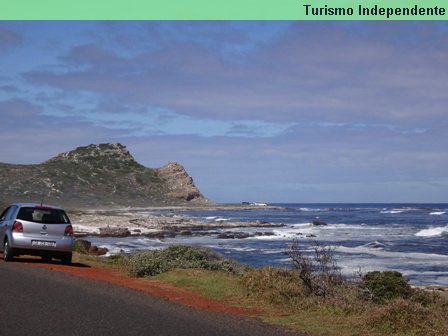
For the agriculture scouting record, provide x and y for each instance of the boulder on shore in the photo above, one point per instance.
(318, 222)
(114, 232)
(85, 247)
(233, 235)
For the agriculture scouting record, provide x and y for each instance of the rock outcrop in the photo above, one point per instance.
(114, 232)
(85, 247)
(179, 183)
(318, 222)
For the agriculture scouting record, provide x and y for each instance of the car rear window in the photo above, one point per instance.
(43, 215)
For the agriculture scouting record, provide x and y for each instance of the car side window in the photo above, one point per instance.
(11, 211)
(8, 213)
(3, 215)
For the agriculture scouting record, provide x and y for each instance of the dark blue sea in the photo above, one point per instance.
(410, 238)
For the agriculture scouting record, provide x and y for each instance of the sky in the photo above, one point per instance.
(272, 111)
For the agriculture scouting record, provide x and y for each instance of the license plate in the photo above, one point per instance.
(43, 243)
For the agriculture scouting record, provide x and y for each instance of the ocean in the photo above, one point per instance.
(409, 238)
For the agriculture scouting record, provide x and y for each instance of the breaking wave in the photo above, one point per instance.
(392, 211)
(374, 245)
(433, 232)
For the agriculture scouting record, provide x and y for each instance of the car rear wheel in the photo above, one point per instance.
(8, 252)
(66, 259)
(46, 258)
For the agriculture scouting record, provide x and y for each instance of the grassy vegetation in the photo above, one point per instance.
(378, 303)
(217, 285)
(147, 176)
(115, 262)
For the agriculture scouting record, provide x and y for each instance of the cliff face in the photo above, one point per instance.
(97, 175)
(180, 185)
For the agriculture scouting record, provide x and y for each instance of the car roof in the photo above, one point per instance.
(35, 205)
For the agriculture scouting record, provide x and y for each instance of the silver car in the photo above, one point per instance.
(36, 229)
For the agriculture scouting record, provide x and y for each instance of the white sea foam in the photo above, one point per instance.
(274, 237)
(438, 213)
(344, 227)
(280, 235)
(308, 209)
(433, 232)
(89, 229)
(392, 211)
(314, 209)
(333, 232)
(241, 249)
(272, 251)
(389, 255)
(302, 225)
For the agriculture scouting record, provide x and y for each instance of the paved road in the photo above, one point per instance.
(36, 301)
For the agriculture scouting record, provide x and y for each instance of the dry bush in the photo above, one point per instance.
(319, 272)
(423, 314)
(273, 285)
(399, 317)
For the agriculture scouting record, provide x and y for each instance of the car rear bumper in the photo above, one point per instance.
(24, 244)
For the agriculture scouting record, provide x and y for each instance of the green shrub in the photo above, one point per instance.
(149, 263)
(385, 286)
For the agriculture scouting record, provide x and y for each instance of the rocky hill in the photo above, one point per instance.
(98, 175)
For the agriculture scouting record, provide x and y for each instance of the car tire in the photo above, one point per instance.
(67, 258)
(8, 252)
(46, 258)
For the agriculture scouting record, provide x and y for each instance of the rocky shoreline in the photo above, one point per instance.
(141, 222)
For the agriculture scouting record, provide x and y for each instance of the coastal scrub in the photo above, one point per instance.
(150, 263)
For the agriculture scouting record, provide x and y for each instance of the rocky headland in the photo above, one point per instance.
(103, 175)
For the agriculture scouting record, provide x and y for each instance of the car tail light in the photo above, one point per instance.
(68, 230)
(17, 227)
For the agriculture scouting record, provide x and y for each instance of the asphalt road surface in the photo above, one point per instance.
(36, 301)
